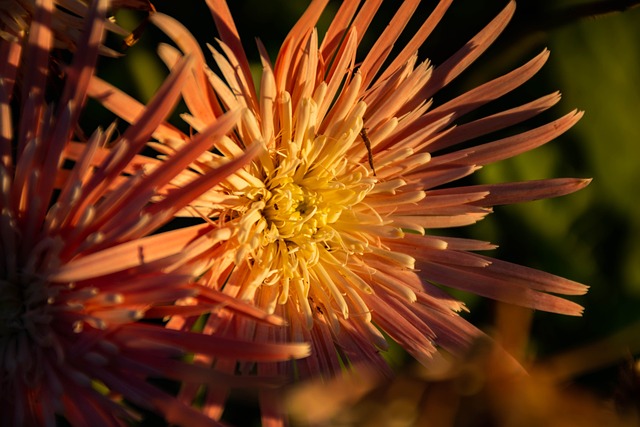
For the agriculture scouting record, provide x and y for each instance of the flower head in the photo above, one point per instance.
(79, 267)
(335, 222)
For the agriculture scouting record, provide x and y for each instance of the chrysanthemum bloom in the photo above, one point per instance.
(78, 269)
(67, 20)
(336, 220)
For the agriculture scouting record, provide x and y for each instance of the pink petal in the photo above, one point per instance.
(198, 95)
(508, 147)
(480, 282)
(230, 36)
(457, 63)
(382, 48)
(214, 346)
(486, 125)
(128, 255)
(39, 44)
(518, 192)
(419, 37)
(126, 107)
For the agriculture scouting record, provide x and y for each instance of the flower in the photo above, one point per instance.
(67, 20)
(335, 222)
(80, 269)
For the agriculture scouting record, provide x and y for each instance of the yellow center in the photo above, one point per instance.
(304, 224)
(296, 212)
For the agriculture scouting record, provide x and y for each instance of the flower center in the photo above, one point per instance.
(11, 308)
(23, 308)
(295, 211)
(305, 220)
(25, 327)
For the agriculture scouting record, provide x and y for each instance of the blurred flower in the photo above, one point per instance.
(334, 221)
(482, 388)
(79, 267)
(68, 17)
(474, 390)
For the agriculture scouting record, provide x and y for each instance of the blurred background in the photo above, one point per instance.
(590, 237)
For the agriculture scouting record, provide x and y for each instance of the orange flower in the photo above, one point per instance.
(79, 268)
(334, 222)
